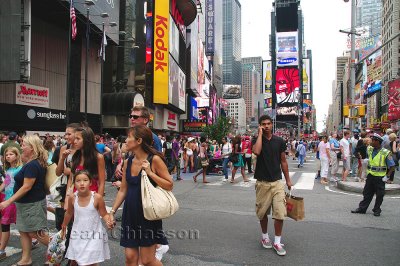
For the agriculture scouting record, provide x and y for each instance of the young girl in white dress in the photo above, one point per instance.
(89, 241)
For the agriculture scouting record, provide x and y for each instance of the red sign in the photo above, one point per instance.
(394, 100)
(27, 94)
(287, 86)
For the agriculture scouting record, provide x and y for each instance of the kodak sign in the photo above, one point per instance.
(161, 50)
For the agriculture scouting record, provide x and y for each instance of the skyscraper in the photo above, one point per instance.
(232, 71)
(250, 88)
(369, 15)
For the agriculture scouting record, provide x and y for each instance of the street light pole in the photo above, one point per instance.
(102, 79)
(86, 61)
(353, 58)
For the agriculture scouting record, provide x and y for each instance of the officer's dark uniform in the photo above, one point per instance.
(380, 161)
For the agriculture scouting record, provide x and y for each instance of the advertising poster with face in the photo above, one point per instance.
(232, 91)
(287, 86)
(177, 82)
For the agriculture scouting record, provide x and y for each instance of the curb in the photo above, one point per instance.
(357, 187)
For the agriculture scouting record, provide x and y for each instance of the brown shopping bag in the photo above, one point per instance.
(294, 207)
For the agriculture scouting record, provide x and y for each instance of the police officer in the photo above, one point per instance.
(380, 165)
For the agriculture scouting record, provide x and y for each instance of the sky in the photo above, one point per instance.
(322, 21)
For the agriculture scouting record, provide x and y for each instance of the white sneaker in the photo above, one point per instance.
(161, 251)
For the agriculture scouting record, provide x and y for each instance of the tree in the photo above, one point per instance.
(219, 129)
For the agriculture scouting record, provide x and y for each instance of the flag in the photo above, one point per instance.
(73, 20)
(103, 46)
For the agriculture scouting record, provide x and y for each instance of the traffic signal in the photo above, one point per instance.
(361, 110)
(346, 111)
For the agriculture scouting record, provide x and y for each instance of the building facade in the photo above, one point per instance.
(237, 112)
(232, 42)
(390, 52)
(250, 89)
(368, 14)
(257, 63)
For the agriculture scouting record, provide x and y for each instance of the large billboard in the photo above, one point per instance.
(267, 76)
(287, 110)
(306, 76)
(287, 86)
(173, 39)
(194, 56)
(177, 82)
(210, 27)
(287, 49)
(232, 91)
(372, 73)
(394, 100)
(161, 52)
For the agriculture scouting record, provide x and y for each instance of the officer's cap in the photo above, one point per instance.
(377, 137)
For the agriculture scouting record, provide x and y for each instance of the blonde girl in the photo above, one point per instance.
(30, 197)
(12, 165)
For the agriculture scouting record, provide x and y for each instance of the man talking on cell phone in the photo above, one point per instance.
(271, 162)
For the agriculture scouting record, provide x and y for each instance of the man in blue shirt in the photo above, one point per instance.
(377, 175)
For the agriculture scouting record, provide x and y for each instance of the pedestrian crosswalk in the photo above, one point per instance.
(305, 181)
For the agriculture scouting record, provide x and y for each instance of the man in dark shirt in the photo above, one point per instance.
(271, 162)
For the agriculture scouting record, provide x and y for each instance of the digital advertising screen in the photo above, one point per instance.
(232, 91)
(287, 49)
(287, 86)
(290, 110)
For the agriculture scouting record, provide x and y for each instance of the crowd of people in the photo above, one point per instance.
(86, 161)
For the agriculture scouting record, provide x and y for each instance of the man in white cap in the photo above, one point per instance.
(380, 165)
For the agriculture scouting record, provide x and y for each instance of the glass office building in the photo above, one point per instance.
(232, 43)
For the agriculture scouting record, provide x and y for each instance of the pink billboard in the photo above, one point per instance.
(394, 100)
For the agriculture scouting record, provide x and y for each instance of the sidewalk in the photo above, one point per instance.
(352, 185)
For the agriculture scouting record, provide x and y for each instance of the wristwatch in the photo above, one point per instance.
(112, 211)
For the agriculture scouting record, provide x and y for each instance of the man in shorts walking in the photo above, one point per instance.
(271, 162)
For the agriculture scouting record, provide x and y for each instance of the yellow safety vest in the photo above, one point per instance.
(377, 165)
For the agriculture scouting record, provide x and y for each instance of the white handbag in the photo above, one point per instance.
(157, 202)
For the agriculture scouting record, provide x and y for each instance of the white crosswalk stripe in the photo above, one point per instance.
(305, 181)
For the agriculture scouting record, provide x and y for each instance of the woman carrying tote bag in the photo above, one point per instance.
(140, 236)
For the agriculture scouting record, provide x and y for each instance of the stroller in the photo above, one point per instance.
(215, 166)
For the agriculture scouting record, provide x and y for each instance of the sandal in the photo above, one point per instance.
(195, 179)
(232, 181)
(247, 180)
(206, 182)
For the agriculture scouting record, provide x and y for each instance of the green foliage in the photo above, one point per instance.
(218, 130)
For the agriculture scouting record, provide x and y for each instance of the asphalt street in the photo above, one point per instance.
(216, 225)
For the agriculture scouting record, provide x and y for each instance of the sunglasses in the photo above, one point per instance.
(135, 116)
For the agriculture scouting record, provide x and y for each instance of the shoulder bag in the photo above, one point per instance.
(157, 202)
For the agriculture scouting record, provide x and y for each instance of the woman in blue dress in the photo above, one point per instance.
(139, 236)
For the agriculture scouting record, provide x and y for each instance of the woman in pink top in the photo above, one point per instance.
(324, 156)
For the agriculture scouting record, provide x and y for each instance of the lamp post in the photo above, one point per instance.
(102, 59)
(88, 3)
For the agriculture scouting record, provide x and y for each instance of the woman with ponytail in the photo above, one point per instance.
(138, 235)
